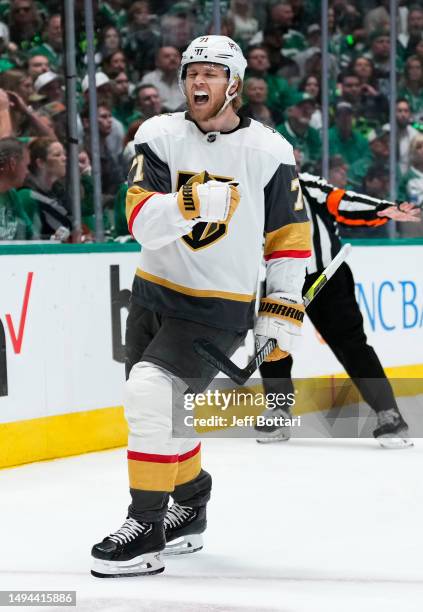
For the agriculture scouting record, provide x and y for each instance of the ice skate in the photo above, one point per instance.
(273, 428)
(392, 430)
(133, 550)
(183, 528)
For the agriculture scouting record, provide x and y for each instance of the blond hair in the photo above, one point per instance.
(238, 101)
(418, 139)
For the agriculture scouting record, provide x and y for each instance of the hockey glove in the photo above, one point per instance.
(213, 201)
(282, 320)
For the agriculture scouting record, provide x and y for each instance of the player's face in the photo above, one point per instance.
(205, 86)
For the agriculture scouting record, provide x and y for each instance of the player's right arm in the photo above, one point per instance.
(155, 215)
(152, 212)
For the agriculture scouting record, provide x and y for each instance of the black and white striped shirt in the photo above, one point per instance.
(326, 207)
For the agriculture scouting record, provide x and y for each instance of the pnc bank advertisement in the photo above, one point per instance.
(62, 327)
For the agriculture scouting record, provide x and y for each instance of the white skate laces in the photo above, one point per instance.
(129, 531)
(176, 515)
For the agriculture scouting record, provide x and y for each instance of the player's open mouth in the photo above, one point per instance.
(201, 98)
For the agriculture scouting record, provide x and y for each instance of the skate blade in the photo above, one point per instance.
(144, 565)
(395, 443)
(184, 545)
(276, 437)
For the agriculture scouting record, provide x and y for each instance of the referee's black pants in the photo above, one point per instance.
(336, 316)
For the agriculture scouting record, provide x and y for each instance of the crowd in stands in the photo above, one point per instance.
(138, 50)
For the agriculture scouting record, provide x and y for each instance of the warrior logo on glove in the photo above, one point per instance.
(280, 319)
(203, 234)
(284, 311)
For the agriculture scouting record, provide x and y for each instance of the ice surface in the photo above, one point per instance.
(302, 526)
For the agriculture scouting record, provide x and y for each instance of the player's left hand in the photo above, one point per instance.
(403, 212)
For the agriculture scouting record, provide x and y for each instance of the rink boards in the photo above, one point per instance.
(62, 320)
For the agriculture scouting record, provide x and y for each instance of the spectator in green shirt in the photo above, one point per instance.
(7, 55)
(148, 103)
(376, 185)
(109, 41)
(114, 63)
(49, 85)
(113, 12)
(370, 108)
(24, 121)
(379, 53)
(256, 92)
(120, 228)
(412, 86)
(411, 185)
(344, 140)
(407, 41)
(37, 64)
(123, 102)
(378, 141)
(52, 46)
(25, 23)
(14, 159)
(281, 17)
(245, 24)
(418, 51)
(141, 38)
(43, 195)
(296, 129)
(279, 93)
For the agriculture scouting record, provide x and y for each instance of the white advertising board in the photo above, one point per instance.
(62, 322)
(389, 290)
(56, 312)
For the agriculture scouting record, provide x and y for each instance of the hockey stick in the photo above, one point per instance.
(208, 351)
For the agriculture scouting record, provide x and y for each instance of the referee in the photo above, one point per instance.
(336, 314)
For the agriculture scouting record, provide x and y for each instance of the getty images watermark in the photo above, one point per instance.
(220, 401)
(317, 408)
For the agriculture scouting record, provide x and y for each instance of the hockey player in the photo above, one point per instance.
(204, 187)
(336, 314)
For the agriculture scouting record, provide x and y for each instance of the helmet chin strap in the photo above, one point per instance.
(228, 98)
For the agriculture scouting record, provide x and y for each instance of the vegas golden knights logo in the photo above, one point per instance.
(203, 234)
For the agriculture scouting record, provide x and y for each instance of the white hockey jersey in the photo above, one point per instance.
(208, 272)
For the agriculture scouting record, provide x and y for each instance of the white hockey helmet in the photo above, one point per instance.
(216, 50)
